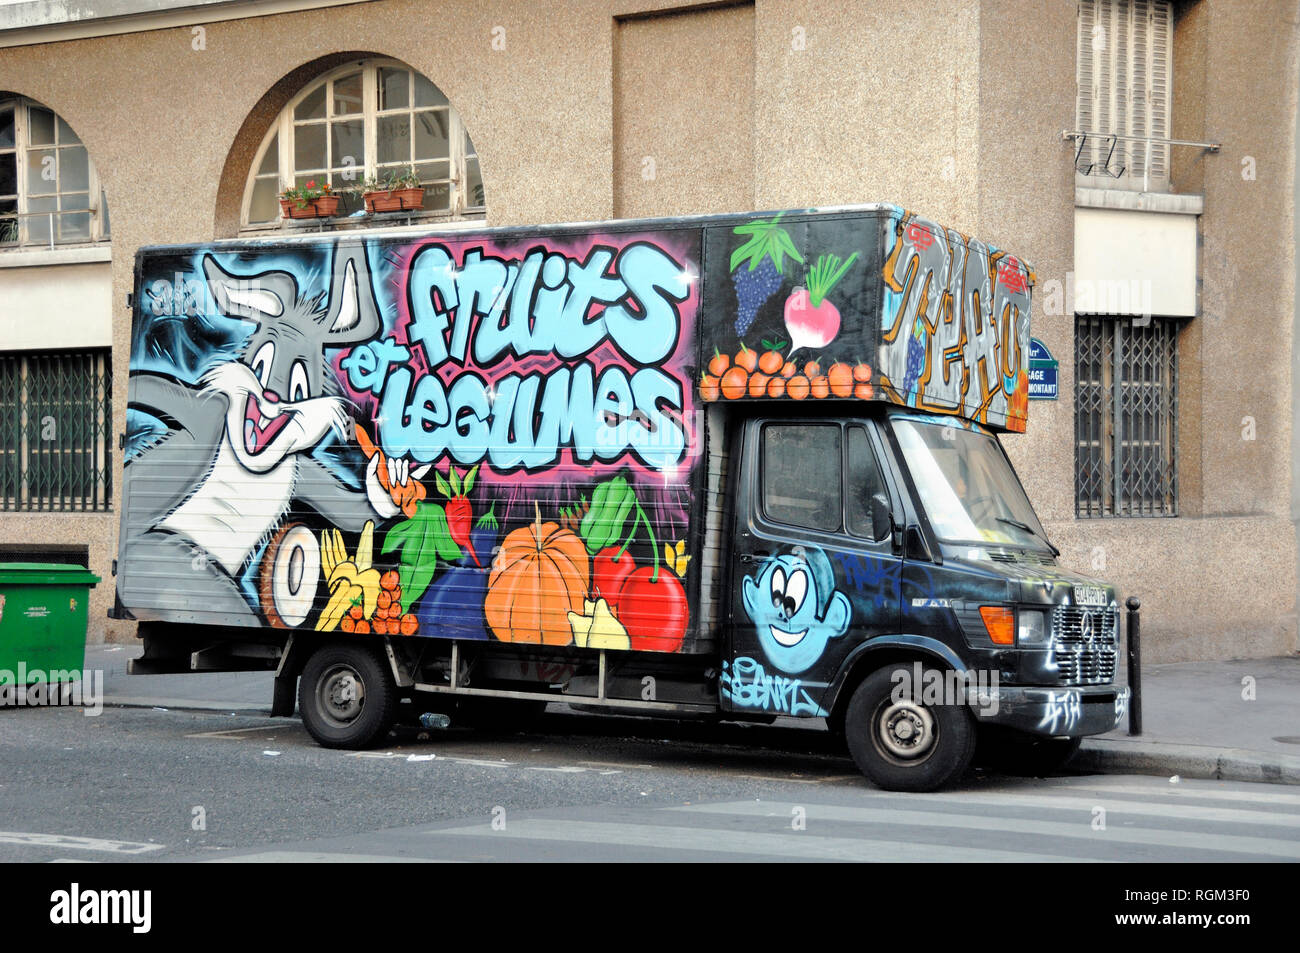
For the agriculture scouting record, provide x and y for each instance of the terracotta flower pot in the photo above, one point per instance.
(399, 200)
(323, 207)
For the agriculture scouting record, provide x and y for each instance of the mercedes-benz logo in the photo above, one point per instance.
(1086, 628)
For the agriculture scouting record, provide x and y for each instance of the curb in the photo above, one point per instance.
(1189, 761)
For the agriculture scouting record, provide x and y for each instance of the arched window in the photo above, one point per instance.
(49, 191)
(365, 121)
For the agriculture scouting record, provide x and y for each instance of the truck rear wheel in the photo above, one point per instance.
(346, 696)
(902, 743)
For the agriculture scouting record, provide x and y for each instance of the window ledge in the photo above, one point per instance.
(34, 258)
(1167, 202)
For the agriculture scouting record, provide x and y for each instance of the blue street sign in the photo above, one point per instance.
(1042, 372)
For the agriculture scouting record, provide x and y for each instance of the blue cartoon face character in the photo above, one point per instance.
(796, 608)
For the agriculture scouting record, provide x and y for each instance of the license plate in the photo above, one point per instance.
(1090, 596)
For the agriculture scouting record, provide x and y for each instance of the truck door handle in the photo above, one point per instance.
(749, 557)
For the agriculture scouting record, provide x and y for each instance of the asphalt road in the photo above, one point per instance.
(147, 785)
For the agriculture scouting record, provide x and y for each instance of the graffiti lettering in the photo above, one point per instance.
(1062, 713)
(955, 325)
(498, 315)
(748, 685)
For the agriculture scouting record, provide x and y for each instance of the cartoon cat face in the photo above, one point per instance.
(279, 391)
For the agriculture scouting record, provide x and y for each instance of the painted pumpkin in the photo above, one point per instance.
(539, 576)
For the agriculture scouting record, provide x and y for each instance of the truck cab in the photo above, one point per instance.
(889, 574)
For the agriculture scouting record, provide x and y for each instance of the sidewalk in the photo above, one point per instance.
(1196, 723)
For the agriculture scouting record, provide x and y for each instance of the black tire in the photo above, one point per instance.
(1023, 755)
(346, 696)
(906, 745)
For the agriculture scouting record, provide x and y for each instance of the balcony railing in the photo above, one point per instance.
(50, 227)
(1100, 155)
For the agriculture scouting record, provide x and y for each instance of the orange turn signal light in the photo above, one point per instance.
(1000, 623)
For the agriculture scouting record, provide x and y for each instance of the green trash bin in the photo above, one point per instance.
(42, 620)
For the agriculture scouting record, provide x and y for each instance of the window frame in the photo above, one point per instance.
(96, 203)
(282, 131)
(1125, 462)
(1147, 31)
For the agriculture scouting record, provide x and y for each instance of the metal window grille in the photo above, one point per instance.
(55, 423)
(1126, 409)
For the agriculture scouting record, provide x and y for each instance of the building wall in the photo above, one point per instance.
(954, 109)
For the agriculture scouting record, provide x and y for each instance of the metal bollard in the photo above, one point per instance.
(1134, 666)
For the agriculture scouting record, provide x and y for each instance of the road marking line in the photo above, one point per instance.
(1116, 807)
(1114, 834)
(318, 857)
(794, 845)
(77, 843)
(229, 734)
(1183, 790)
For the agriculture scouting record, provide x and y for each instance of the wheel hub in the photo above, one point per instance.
(342, 694)
(905, 730)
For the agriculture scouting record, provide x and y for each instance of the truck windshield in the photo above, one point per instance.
(967, 487)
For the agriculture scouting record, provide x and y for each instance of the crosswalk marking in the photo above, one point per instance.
(1243, 815)
(31, 839)
(794, 846)
(318, 857)
(1080, 829)
(1186, 790)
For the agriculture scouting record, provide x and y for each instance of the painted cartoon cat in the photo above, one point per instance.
(238, 457)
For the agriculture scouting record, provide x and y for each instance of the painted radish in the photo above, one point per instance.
(459, 512)
(811, 320)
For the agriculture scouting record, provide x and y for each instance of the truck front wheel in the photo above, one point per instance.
(346, 696)
(902, 743)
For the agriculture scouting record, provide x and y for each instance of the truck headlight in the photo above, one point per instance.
(1031, 627)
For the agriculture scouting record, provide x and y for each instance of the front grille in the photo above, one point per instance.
(1021, 558)
(1085, 642)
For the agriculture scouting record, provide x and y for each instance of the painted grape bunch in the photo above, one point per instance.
(757, 267)
(753, 288)
(915, 357)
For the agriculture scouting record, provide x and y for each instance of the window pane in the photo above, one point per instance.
(469, 146)
(8, 226)
(40, 127)
(41, 172)
(309, 147)
(394, 89)
(104, 230)
(474, 196)
(9, 174)
(426, 94)
(38, 226)
(6, 128)
(74, 169)
(347, 95)
(801, 475)
(271, 161)
(394, 139)
(76, 226)
(431, 141)
(347, 143)
(864, 482)
(312, 105)
(264, 206)
(66, 136)
(438, 197)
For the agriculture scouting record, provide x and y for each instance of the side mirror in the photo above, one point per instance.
(882, 519)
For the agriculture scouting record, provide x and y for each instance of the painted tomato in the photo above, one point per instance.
(654, 612)
(609, 571)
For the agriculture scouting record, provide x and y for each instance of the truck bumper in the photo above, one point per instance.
(1052, 712)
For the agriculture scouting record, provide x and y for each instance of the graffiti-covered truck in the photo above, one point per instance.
(728, 466)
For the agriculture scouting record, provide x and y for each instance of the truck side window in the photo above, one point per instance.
(801, 475)
(865, 480)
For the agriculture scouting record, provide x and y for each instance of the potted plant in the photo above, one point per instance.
(397, 192)
(309, 201)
